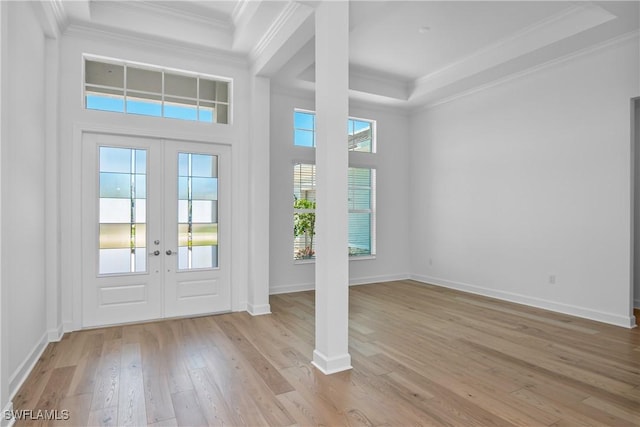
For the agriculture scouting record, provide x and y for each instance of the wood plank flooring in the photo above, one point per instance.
(421, 355)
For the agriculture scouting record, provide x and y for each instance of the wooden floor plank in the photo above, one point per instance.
(81, 404)
(84, 377)
(187, 409)
(107, 384)
(131, 400)
(104, 417)
(421, 355)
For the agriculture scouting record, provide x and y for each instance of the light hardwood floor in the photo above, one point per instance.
(421, 355)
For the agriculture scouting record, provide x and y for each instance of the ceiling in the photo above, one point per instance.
(402, 53)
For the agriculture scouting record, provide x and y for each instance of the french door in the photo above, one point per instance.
(155, 229)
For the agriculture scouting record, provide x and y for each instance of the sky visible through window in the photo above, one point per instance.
(305, 127)
(148, 108)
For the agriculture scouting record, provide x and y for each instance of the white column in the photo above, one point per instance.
(52, 225)
(258, 295)
(332, 162)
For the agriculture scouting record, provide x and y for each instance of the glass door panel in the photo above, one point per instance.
(122, 210)
(167, 263)
(197, 211)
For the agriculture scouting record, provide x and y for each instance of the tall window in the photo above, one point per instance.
(152, 91)
(362, 189)
(361, 132)
(362, 201)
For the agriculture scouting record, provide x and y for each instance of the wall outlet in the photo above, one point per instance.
(552, 279)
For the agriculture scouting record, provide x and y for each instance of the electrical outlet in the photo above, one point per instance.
(552, 279)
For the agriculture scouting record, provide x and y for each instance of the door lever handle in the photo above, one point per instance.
(170, 252)
(156, 252)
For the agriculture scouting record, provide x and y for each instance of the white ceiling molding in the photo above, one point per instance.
(162, 23)
(275, 28)
(99, 33)
(560, 26)
(254, 22)
(183, 10)
(288, 33)
(52, 17)
(514, 76)
(381, 84)
(367, 84)
(240, 11)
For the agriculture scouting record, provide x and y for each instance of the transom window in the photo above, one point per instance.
(361, 132)
(123, 87)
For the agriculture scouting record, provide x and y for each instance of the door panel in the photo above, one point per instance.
(155, 229)
(121, 281)
(197, 183)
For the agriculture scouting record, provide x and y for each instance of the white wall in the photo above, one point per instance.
(392, 258)
(74, 119)
(23, 192)
(4, 140)
(528, 179)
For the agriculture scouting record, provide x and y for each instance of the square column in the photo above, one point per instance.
(258, 292)
(332, 166)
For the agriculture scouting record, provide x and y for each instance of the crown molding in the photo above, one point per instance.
(558, 19)
(380, 83)
(277, 25)
(239, 10)
(97, 32)
(58, 11)
(515, 76)
(53, 17)
(562, 25)
(220, 21)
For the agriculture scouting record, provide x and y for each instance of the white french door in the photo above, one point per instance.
(156, 221)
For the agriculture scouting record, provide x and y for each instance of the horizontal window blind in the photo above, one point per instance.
(362, 201)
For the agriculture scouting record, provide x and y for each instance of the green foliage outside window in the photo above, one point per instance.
(304, 224)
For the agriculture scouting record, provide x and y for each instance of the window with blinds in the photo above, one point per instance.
(362, 202)
(122, 87)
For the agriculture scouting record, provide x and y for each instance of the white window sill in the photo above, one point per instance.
(352, 258)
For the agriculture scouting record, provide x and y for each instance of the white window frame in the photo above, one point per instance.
(371, 211)
(163, 70)
(372, 123)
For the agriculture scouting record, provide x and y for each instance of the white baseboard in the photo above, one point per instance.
(259, 309)
(20, 375)
(378, 279)
(286, 289)
(8, 409)
(587, 313)
(56, 334)
(331, 365)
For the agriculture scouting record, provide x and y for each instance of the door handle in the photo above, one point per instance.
(170, 252)
(156, 252)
